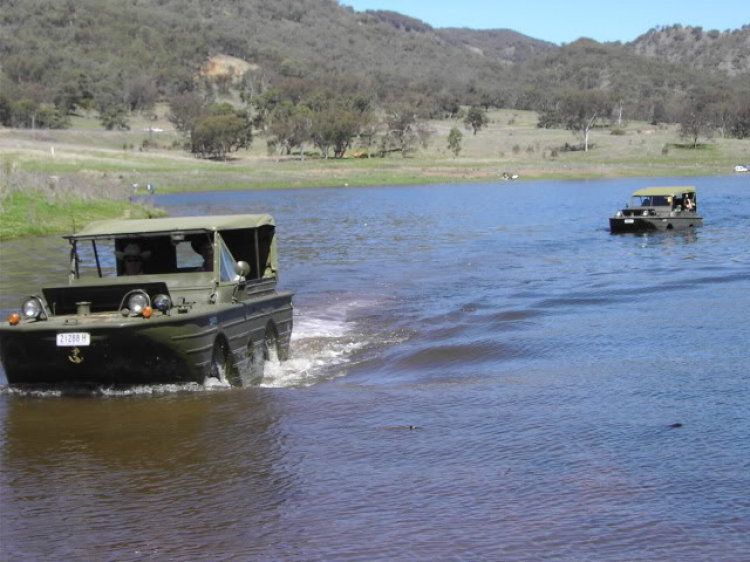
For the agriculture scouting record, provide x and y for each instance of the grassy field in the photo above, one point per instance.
(87, 157)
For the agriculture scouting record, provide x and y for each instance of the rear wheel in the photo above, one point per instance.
(256, 362)
(271, 345)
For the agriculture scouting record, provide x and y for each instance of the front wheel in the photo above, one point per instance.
(221, 363)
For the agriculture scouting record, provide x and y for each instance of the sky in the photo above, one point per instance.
(564, 21)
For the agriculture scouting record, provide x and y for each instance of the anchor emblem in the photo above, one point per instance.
(75, 356)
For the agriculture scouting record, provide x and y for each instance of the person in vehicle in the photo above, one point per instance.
(132, 259)
(689, 205)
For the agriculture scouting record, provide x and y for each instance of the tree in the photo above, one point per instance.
(112, 107)
(217, 135)
(454, 140)
(404, 129)
(697, 117)
(185, 111)
(5, 110)
(141, 93)
(338, 118)
(476, 118)
(740, 127)
(49, 117)
(114, 117)
(288, 127)
(24, 113)
(579, 111)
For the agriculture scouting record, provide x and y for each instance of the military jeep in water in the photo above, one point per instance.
(155, 301)
(658, 209)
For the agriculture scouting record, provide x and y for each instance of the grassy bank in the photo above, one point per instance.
(86, 157)
(34, 214)
(37, 204)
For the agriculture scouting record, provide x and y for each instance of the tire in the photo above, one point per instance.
(221, 363)
(256, 357)
(271, 346)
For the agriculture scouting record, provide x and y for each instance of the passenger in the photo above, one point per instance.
(689, 205)
(206, 250)
(132, 258)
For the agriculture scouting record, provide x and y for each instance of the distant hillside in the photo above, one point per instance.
(502, 45)
(727, 52)
(163, 40)
(97, 54)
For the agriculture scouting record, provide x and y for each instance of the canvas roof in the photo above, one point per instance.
(669, 191)
(171, 224)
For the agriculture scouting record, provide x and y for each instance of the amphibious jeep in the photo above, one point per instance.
(155, 301)
(658, 209)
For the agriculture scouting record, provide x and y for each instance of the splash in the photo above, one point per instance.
(323, 345)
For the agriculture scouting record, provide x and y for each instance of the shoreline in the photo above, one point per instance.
(96, 172)
(17, 208)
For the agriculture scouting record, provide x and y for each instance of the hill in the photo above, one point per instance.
(59, 57)
(726, 52)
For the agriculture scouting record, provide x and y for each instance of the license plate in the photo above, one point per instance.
(629, 221)
(73, 339)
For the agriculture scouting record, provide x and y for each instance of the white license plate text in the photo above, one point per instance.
(73, 339)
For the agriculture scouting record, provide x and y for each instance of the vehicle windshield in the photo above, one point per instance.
(651, 201)
(177, 252)
(122, 257)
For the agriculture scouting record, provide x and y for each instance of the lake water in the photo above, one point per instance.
(479, 372)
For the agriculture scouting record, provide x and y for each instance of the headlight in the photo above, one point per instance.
(162, 303)
(32, 307)
(137, 303)
(645, 213)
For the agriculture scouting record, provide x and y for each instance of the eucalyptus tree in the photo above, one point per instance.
(454, 141)
(476, 118)
(699, 115)
(578, 111)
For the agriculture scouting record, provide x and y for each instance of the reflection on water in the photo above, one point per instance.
(137, 471)
(578, 395)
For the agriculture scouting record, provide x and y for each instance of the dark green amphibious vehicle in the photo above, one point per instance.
(658, 209)
(156, 301)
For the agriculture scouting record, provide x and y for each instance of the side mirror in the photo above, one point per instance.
(242, 268)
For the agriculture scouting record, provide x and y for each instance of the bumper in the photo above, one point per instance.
(625, 225)
(114, 357)
(119, 352)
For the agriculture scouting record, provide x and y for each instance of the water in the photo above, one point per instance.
(478, 373)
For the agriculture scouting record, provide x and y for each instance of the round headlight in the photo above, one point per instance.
(162, 303)
(31, 308)
(137, 303)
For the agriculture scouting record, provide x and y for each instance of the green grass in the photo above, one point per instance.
(35, 214)
(87, 158)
